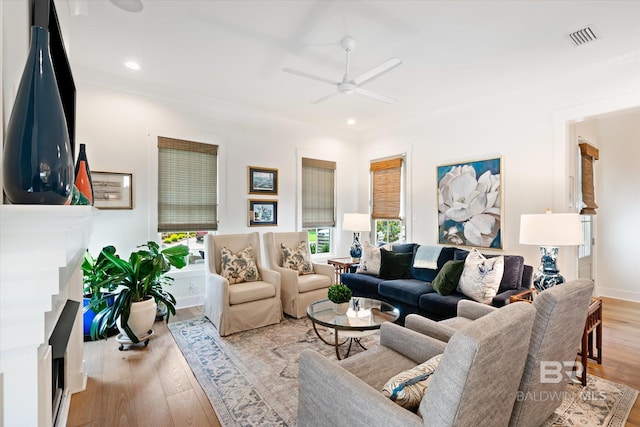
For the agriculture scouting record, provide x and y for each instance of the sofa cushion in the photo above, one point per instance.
(407, 291)
(238, 267)
(513, 269)
(250, 291)
(370, 259)
(311, 282)
(402, 248)
(448, 277)
(362, 285)
(408, 387)
(441, 306)
(427, 274)
(481, 276)
(395, 265)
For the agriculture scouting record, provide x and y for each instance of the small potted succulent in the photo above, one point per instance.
(339, 295)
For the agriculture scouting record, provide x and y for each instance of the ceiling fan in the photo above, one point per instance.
(350, 84)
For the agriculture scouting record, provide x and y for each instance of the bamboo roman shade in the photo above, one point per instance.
(386, 184)
(588, 154)
(187, 185)
(318, 193)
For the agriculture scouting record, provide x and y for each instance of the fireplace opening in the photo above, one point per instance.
(58, 342)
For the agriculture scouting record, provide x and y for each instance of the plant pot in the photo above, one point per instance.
(88, 316)
(341, 309)
(141, 318)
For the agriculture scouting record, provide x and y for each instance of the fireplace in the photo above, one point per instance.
(41, 338)
(58, 342)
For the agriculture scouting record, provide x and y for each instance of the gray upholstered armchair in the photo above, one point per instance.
(298, 291)
(239, 306)
(474, 384)
(561, 312)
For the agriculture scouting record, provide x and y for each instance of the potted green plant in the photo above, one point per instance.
(97, 292)
(339, 295)
(139, 282)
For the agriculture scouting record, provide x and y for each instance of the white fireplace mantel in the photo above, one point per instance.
(41, 249)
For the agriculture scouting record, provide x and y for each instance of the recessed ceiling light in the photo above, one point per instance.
(132, 65)
(351, 122)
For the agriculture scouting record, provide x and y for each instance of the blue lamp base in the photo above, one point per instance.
(548, 274)
(356, 247)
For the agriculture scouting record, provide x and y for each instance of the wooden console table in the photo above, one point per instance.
(593, 324)
(342, 265)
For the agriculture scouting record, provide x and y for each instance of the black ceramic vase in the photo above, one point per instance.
(37, 161)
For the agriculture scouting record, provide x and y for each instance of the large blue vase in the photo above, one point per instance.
(37, 162)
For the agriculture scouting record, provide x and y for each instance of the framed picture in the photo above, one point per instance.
(112, 190)
(263, 180)
(470, 203)
(263, 212)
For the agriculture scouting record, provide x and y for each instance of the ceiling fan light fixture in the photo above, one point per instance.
(129, 5)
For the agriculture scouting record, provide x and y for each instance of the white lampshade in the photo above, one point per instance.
(559, 229)
(356, 222)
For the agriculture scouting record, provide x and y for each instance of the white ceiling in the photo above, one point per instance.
(231, 53)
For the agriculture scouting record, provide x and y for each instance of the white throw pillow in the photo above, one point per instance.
(407, 388)
(481, 276)
(370, 260)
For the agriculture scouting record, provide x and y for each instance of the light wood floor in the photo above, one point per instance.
(154, 386)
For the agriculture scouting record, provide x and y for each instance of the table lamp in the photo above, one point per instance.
(550, 231)
(356, 222)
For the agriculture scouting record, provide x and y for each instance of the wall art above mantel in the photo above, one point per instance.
(112, 190)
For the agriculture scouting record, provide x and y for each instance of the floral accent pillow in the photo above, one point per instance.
(297, 259)
(239, 267)
(481, 276)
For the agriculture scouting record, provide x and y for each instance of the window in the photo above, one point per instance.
(387, 199)
(585, 249)
(318, 203)
(187, 193)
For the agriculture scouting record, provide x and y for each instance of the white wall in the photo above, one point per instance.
(529, 132)
(120, 131)
(618, 198)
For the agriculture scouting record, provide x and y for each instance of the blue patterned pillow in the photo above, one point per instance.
(407, 388)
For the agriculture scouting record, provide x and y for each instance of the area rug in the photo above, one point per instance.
(251, 377)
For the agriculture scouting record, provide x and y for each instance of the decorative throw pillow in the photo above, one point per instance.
(447, 279)
(394, 265)
(370, 259)
(481, 276)
(407, 388)
(239, 267)
(298, 259)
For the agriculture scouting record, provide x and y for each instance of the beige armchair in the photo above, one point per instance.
(561, 312)
(239, 306)
(297, 291)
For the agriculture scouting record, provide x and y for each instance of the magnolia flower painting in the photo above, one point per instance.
(469, 204)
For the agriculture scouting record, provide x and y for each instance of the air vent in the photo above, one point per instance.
(583, 36)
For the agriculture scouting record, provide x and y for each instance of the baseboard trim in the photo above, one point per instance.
(618, 294)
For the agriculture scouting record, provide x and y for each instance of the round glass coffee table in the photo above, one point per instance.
(364, 317)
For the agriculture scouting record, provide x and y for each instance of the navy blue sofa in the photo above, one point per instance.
(415, 295)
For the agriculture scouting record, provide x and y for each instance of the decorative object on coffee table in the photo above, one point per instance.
(470, 203)
(357, 223)
(37, 160)
(550, 231)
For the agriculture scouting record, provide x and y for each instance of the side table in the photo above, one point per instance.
(593, 324)
(342, 265)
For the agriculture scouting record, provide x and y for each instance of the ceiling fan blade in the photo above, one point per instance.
(387, 65)
(317, 101)
(310, 76)
(374, 95)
